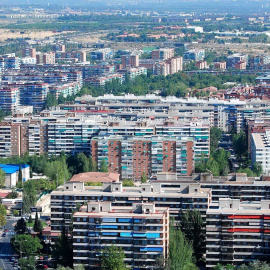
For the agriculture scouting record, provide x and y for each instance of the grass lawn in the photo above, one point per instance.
(31, 225)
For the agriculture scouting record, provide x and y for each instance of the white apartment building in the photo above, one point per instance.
(260, 150)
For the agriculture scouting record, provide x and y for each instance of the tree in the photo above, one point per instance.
(3, 210)
(257, 169)
(180, 250)
(30, 220)
(143, 178)
(13, 194)
(2, 178)
(128, 183)
(112, 258)
(62, 251)
(27, 263)
(192, 227)
(82, 163)
(224, 267)
(50, 101)
(31, 173)
(103, 166)
(3, 220)
(37, 225)
(57, 171)
(20, 227)
(215, 136)
(29, 196)
(92, 165)
(20, 178)
(240, 145)
(255, 265)
(26, 245)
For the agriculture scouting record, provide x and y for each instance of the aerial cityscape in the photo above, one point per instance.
(135, 134)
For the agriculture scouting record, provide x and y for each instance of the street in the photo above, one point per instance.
(6, 250)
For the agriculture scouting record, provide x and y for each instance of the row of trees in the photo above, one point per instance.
(177, 85)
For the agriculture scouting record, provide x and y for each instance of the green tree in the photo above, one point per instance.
(193, 228)
(3, 220)
(50, 101)
(29, 196)
(257, 169)
(31, 173)
(26, 245)
(2, 178)
(82, 163)
(103, 166)
(255, 265)
(30, 220)
(143, 177)
(3, 210)
(224, 267)
(62, 251)
(27, 263)
(240, 144)
(128, 183)
(180, 250)
(20, 178)
(112, 258)
(215, 136)
(37, 225)
(57, 171)
(20, 227)
(92, 165)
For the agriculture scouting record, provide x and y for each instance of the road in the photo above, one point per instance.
(6, 251)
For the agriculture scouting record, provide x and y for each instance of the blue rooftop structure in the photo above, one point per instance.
(12, 168)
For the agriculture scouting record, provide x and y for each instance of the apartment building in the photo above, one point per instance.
(132, 73)
(142, 231)
(9, 98)
(9, 61)
(195, 55)
(132, 155)
(201, 65)
(163, 53)
(130, 60)
(101, 81)
(10, 140)
(29, 52)
(102, 54)
(260, 150)
(236, 61)
(65, 199)
(95, 70)
(220, 65)
(46, 58)
(237, 233)
(65, 90)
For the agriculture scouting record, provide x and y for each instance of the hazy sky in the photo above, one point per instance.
(213, 6)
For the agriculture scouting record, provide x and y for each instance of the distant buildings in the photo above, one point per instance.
(237, 61)
(220, 65)
(102, 54)
(163, 54)
(201, 65)
(195, 55)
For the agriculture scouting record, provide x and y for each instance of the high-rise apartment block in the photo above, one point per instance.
(9, 98)
(130, 60)
(195, 55)
(237, 61)
(163, 54)
(142, 231)
(130, 156)
(237, 232)
(29, 52)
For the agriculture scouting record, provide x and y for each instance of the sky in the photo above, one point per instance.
(213, 6)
